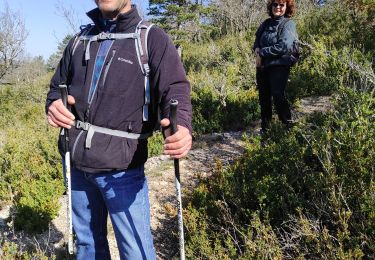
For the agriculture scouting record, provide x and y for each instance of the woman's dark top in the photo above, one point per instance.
(274, 50)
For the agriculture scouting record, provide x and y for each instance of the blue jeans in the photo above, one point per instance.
(122, 194)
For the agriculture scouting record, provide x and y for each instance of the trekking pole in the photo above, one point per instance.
(65, 132)
(172, 117)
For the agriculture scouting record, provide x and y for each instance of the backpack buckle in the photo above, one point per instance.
(82, 125)
(104, 36)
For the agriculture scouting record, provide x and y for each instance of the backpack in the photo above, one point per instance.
(140, 38)
(295, 54)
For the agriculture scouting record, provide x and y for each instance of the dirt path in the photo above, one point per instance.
(160, 173)
(198, 164)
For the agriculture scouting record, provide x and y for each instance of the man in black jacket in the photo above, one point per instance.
(109, 94)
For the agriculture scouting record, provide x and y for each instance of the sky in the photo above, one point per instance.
(45, 25)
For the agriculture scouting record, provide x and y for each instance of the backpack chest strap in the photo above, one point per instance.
(92, 129)
(105, 36)
(141, 37)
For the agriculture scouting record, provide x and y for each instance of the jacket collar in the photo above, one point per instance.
(124, 21)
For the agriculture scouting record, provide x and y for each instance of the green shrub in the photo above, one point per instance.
(30, 165)
(36, 205)
(321, 72)
(341, 24)
(10, 250)
(227, 239)
(155, 144)
(312, 188)
(222, 76)
(235, 112)
(207, 111)
(241, 110)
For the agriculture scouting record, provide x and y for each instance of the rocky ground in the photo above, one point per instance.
(160, 173)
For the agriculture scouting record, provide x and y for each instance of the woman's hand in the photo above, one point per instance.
(258, 59)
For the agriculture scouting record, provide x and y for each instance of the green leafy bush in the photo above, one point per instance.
(341, 24)
(312, 188)
(30, 166)
(155, 144)
(321, 72)
(222, 76)
(36, 205)
(233, 113)
(10, 250)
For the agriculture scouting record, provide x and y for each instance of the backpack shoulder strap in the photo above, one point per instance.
(143, 29)
(84, 31)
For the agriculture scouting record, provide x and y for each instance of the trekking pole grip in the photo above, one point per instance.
(173, 122)
(64, 97)
(172, 115)
(64, 94)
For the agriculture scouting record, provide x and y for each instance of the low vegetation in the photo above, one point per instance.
(307, 192)
(31, 172)
(304, 193)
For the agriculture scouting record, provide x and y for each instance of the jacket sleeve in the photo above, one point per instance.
(168, 76)
(258, 34)
(61, 76)
(284, 42)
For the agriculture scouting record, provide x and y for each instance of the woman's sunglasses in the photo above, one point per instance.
(275, 5)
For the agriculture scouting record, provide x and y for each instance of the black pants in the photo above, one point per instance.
(271, 83)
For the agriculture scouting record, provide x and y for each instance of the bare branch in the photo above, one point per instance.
(69, 14)
(13, 35)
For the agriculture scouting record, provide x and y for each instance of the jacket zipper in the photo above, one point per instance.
(107, 66)
(87, 113)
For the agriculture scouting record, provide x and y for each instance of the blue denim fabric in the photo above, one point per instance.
(122, 194)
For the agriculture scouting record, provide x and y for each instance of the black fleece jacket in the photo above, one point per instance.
(119, 98)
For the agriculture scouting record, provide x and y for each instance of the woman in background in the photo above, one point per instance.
(273, 45)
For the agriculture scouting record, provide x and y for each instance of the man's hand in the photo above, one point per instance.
(178, 144)
(58, 115)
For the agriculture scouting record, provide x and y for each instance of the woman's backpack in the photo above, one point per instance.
(295, 53)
